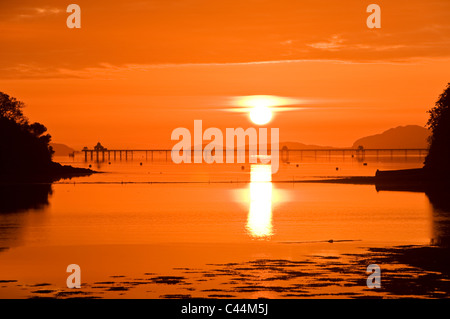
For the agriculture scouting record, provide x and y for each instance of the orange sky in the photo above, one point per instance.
(138, 69)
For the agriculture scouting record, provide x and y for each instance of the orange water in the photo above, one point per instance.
(165, 217)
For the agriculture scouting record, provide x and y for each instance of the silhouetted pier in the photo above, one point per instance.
(121, 154)
(285, 153)
(359, 153)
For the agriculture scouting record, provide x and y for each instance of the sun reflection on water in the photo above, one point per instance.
(259, 221)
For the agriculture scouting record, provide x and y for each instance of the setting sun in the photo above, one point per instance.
(261, 107)
(261, 115)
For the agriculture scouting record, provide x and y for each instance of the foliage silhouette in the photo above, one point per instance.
(25, 152)
(437, 161)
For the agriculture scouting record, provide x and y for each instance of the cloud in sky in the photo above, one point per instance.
(39, 12)
(34, 35)
(334, 43)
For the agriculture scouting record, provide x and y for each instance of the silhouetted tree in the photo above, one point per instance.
(438, 158)
(24, 147)
(11, 109)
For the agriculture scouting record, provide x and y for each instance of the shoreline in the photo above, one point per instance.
(53, 173)
(306, 275)
(413, 180)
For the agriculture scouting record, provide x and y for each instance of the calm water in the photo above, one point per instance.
(152, 229)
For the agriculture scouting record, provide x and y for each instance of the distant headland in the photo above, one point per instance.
(435, 174)
(436, 170)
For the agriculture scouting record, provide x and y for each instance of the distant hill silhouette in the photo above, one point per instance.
(301, 146)
(61, 149)
(410, 136)
(289, 145)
